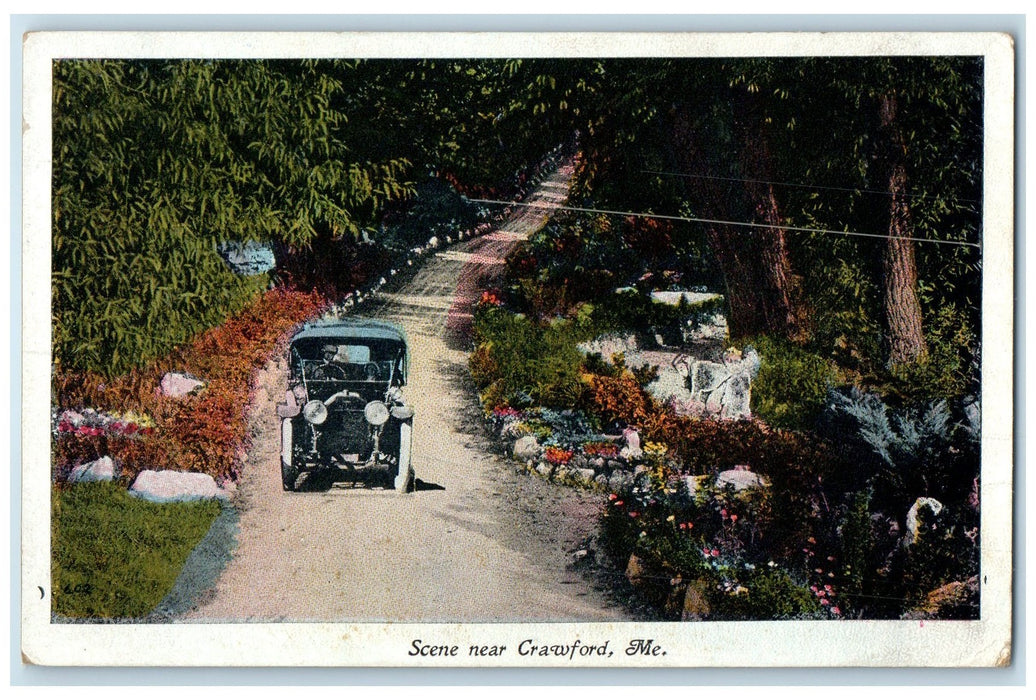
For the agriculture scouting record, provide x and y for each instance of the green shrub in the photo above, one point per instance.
(769, 594)
(114, 556)
(519, 362)
(949, 370)
(792, 384)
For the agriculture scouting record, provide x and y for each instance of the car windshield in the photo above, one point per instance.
(348, 359)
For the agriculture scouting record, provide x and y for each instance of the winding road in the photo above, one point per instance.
(478, 542)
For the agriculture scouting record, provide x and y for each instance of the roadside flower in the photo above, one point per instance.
(836, 610)
(733, 518)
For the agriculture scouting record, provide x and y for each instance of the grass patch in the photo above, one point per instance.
(116, 556)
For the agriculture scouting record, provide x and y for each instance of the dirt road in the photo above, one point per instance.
(479, 542)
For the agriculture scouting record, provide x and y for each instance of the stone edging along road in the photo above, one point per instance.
(477, 541)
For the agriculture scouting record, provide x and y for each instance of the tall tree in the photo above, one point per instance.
(898, 263)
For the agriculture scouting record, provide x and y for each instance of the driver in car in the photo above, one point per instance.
(330, 369)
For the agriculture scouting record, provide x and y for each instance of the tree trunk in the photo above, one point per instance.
(761, 289)
(899, 267)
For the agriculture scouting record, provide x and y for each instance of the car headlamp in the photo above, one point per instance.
(315, 412)
(376, 413)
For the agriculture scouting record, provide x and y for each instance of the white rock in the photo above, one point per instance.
(177, 384)
(912, 532)
(694, 483)
(102, 469)
(167, 486)
(632, 449)
(673, 298)
(741, 479)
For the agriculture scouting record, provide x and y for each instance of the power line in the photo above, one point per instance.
(721, 222)
(804, 186)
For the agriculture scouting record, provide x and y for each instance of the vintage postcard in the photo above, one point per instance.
(540, 350)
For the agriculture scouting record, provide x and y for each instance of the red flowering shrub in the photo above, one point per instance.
(557, 455)
(203, 432)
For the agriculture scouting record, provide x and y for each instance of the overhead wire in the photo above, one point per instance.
(719, 222)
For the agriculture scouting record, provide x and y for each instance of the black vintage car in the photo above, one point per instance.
(344, 416)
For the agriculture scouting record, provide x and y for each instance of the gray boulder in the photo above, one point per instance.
(620, 480)
(247, 257)
(168, 486)
(725, 388)
(102, 469)
(586, 475)
(526, 447)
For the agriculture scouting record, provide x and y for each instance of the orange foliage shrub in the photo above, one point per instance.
(202, 433)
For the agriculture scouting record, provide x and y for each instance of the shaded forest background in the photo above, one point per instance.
(158, 162)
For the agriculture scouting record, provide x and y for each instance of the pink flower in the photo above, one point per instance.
(715, 552)
(825, 601)
(723, 512)
(836, 610)
(612, 496)
(733, 518)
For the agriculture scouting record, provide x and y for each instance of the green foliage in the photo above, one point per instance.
(946, 550)
(949, 370)
(857, 544)
(155, 162)
(792, 385)
(769, 594)
(115, 556)
(716, 538)
(517, 362)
